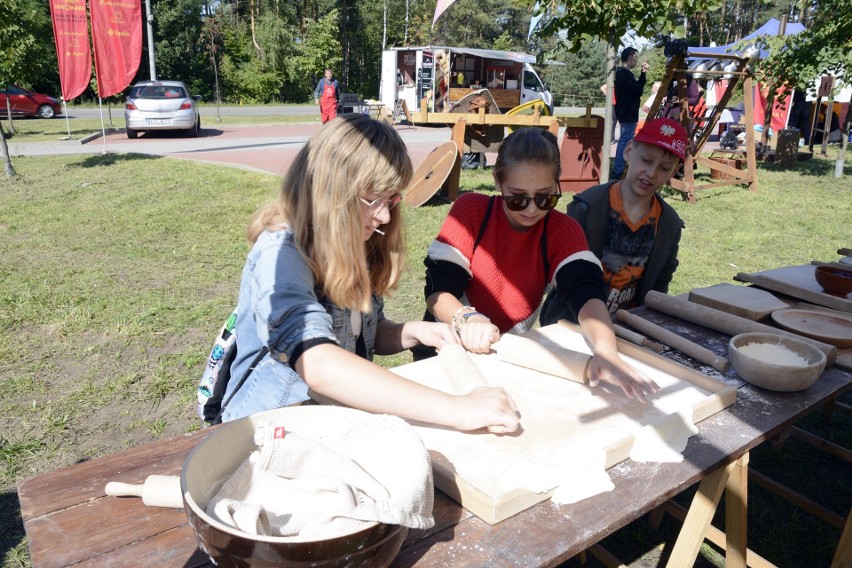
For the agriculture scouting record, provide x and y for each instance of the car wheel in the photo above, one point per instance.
(132, 133)
(193, 132)
(46, 111)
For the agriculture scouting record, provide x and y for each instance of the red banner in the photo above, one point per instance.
(780, 107)
(117, 37)
(71, 35)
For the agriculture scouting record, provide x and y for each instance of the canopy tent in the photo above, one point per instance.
(749, 42)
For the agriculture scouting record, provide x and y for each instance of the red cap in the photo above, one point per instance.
(666, 133)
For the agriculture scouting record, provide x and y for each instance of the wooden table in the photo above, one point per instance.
(69, 520)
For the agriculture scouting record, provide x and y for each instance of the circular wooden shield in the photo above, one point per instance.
(431, 174)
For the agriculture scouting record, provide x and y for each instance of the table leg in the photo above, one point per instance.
(736, 505)
(843, 555)
(699, 517)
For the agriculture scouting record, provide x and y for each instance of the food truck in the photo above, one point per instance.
(443, 75)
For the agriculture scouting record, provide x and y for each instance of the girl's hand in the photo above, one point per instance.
(478, 333)
(433, 334)
(487, 407)
(609, 368)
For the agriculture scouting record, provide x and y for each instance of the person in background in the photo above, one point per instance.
(628, 96)
(501, 253)
(323, 255)
(629, 226)
(327, 95)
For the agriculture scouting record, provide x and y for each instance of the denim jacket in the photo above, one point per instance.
(279, 307)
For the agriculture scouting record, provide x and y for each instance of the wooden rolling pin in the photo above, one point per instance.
(552, 358)
(724, 322)
(157, 491)
(674, 340)
(462, 372)
(636, 338)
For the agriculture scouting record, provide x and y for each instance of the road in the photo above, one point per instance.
(268, 110)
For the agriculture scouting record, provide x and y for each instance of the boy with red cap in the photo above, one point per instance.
(630, 228)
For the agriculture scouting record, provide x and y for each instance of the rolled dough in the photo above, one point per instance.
(533, 350)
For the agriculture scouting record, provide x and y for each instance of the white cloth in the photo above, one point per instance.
(374, 469)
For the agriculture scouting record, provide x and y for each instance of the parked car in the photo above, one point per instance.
(27, 103)
(161, 105)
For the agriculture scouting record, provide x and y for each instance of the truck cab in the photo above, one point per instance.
(443, 75)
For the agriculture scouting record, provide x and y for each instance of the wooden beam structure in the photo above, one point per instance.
(699, 130)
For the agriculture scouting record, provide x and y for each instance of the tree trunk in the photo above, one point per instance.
(257, 48)
(9, 115)
(608, 110)
(4, 149)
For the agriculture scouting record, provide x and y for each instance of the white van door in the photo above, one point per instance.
(532, 88)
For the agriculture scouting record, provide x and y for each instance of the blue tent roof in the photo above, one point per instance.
(769, 28)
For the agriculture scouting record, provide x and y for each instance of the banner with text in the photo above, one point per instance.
(117, 37)
(71, 35)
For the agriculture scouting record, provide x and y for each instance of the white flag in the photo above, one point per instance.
(440, 8)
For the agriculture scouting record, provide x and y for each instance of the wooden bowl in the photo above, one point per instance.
(775, 362)
(219, 454)
(834, 280)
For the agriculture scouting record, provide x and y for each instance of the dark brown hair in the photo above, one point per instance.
(528, 145)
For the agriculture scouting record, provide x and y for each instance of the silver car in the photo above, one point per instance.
(161, 105)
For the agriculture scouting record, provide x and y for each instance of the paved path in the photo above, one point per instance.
(266, 148)
(257, 147)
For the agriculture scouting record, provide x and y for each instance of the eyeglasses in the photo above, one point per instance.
(380, 202)
(521, 202)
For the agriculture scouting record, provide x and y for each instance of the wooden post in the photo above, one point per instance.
(451, 186)
(699, 517)
(736, 504)
(751, 160)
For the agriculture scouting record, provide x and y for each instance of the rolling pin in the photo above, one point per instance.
(724, 322)
(460, 369)
(157, 491)
(636, 338)
(552, 359)
(674, 340)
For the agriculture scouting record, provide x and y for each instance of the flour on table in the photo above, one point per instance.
(664, 441)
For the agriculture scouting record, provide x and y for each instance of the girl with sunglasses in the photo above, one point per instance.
(310, 308)
(502, 253)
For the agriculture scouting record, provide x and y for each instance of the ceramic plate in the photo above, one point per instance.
(830, 328)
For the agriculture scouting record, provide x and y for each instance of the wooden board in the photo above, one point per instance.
(835, 329)
(745, 301)
(561, 421)
(799, 282)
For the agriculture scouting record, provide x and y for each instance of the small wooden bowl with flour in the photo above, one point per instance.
(775, 362)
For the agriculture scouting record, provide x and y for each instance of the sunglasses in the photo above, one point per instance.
(380, 202)
(521, 202)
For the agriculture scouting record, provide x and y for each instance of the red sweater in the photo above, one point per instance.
(507, 268)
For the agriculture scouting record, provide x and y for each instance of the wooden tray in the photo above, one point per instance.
(830, 328)
(798, 282)
(747, 302)
(560, 419)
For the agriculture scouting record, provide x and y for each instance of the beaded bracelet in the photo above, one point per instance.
(455, 320)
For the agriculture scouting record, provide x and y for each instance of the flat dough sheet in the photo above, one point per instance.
(567, 426)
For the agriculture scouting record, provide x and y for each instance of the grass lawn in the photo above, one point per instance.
(119, 269)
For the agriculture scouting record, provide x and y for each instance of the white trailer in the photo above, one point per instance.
(443, 75)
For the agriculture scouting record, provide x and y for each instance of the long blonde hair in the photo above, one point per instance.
(350, 157)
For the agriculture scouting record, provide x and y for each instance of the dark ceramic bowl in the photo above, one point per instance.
(834, 280)
(218, 455)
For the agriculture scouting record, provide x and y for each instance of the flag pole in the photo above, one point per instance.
(103, 128)
(65, 112)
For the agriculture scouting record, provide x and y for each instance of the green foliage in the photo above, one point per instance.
(581, 22)
(180, 49)
(577, 83)
(824, 46)
(27, 54)
(320, 50)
